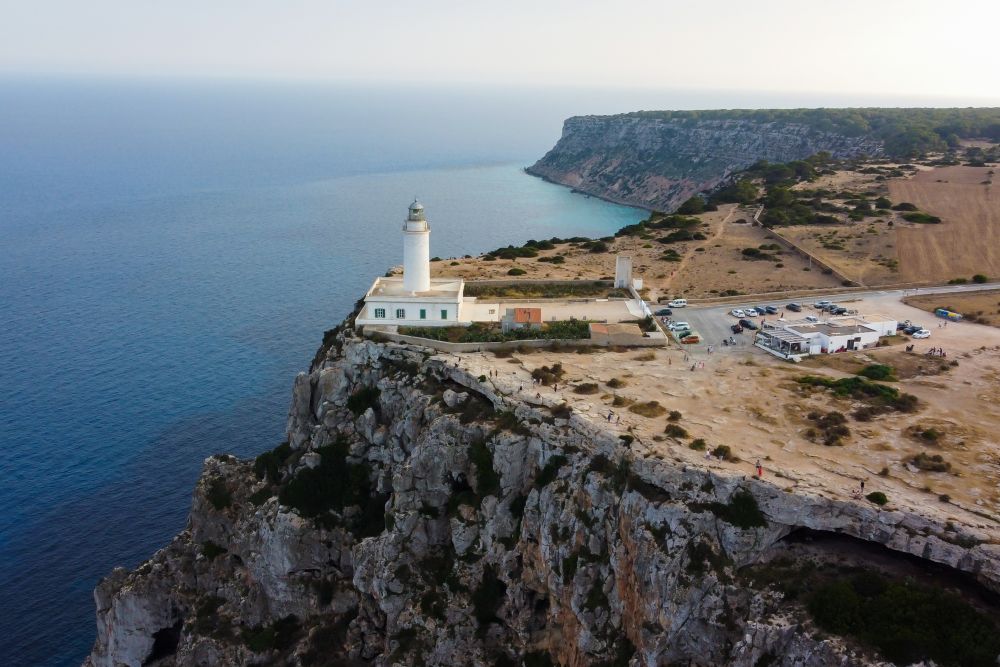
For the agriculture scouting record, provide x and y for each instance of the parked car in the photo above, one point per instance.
(678, 303)
(794, 307)
(736, 328)
(902, 325)
(736, 312)
(821, 304)
(678, 326)
(923, 333)
(663, 312)
(747, 324)
(750, 312)
(812, 318)
(771, 310)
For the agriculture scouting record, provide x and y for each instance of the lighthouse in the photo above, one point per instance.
(416, 250)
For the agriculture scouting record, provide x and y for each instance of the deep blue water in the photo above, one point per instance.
(169, 258)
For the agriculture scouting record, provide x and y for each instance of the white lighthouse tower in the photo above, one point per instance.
(416, 250)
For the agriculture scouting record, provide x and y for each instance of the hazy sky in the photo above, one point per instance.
(911, 47)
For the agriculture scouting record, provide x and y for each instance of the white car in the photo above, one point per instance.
(678, 303)
(812, 318)
(736, 312)
(750, 312)
(822, 304)
(678, 326)
(923, 333)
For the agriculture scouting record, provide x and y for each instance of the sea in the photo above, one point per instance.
(171, 252)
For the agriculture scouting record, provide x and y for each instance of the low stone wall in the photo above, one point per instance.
(508, 346)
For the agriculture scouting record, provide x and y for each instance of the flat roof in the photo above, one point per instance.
(440, 287)
(830, 329)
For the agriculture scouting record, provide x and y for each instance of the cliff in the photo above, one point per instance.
(417, 515)
(657, 162)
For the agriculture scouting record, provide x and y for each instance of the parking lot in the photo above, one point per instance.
(714, 322)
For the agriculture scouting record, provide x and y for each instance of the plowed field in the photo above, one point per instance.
(967, 242)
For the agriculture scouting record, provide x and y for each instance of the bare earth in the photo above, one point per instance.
(706, 267)
(747, 399)
(967, 241)
(985, 306)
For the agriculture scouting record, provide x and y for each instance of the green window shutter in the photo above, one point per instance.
(423, 313)
(444, 314)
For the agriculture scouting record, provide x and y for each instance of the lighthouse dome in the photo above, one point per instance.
(416, 210)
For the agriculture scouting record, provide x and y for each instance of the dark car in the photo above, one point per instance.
(736, 328)
(911, 329)
(662, 312)
(839, 310)
(794, 307)
(771, 310)
(747, 324)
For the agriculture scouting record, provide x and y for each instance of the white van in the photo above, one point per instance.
(678, 303)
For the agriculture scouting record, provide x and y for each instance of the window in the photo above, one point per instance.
(423, 313)
(400, 314)
(444, 314)
(379, 313)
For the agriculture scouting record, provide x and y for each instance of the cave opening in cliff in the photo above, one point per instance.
(165, 641)
(845, 551)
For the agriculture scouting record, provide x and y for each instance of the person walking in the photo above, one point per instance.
(760, 469)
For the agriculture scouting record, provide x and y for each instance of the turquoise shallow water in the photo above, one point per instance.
(170, 259)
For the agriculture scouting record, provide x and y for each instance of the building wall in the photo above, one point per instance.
(412, 313)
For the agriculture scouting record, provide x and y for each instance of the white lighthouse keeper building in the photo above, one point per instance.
(415, 299)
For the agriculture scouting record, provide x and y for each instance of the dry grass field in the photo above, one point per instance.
(702, 268)
(967, 242)
(984, 306)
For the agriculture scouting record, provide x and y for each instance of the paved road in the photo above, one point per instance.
(712, 321)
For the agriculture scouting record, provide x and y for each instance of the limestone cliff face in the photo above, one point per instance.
(458, 527)
(658, 163)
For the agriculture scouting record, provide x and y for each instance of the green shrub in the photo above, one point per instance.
(280, 635)
(932, 463)
(569, 565)
(336, 484)
(878, 372)
(922, 218)
(724, 452)
(877, 497)
(488, 597)
(648, 409)
(674, 416)
(980, 278)
(212, 550)
(742, 511)
(487, 480)
(675, 431)
(550, 471)
(907, 622)
(586, 388)
(218, 494)
(516, 272)
(269, 463)
(698, 444)
(362, 399)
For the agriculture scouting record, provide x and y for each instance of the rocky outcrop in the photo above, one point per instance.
(418, 516)
(658, 163)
